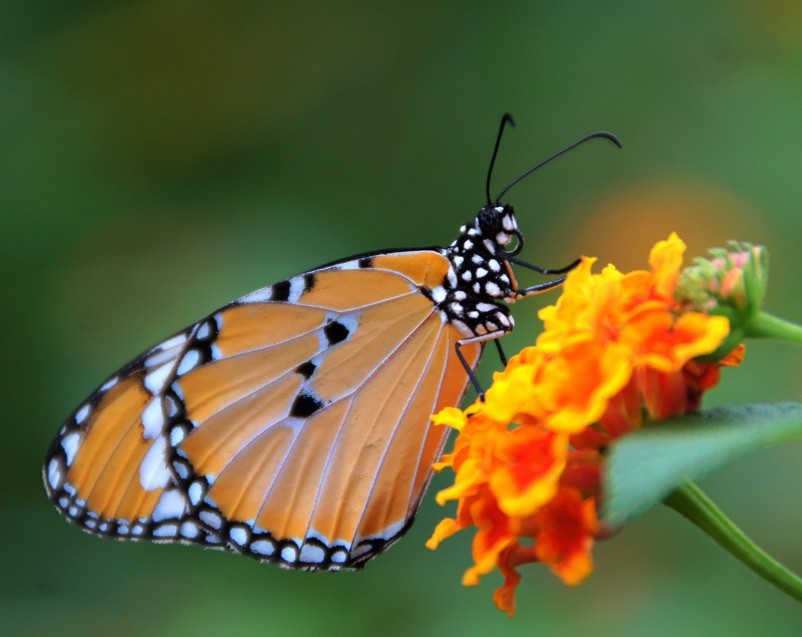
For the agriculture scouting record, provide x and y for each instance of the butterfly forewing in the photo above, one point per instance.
(292, 425)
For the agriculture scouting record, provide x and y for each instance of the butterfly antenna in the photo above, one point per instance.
(604, 134)
(506, 119)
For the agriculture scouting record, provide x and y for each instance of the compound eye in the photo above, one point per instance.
(518, 246)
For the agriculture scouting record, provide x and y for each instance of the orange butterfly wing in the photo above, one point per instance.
(292, 425)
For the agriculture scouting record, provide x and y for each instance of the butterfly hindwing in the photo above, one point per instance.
(107, 469)
(291, 425)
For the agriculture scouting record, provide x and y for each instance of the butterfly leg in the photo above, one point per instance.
(481, 338)
(501, 354)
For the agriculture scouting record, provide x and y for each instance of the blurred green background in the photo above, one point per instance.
(158, 159)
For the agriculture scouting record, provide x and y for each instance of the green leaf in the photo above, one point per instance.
(644, 467)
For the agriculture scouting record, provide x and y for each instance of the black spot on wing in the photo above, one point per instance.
(335, 332)
(365, 262)
(305, 405)
(309, 282)
(307, 369)
(280, 291)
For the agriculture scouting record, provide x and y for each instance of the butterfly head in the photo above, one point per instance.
(491, 231)
(497, 224)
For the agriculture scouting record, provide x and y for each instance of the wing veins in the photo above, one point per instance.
(400, 418)
(329, 459)
(433, 407)
(339, 313)
(340, 428)
(106, 464)
(157, 396)
(344, 396)
(329, 309)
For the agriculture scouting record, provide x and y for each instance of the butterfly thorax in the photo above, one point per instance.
(479, 275)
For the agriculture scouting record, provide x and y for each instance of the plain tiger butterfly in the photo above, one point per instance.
(293, 425)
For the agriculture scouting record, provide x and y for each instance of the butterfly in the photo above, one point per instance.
(293, 424)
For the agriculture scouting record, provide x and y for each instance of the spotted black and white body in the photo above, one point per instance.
(480, 276)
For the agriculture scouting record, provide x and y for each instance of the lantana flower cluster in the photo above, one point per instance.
(617, 348)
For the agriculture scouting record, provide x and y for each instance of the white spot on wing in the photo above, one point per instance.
(195, 492)
(160, 357)
(203, 331)
(176, 436)
(176, 387)
(297, 287)
(289, 553)
(153, 472)
(178, 339)
(171, 504)
(111, 382)
(238, 535)
(82, 414)
(54, 473)
(348, 265)
(260, 296)
(211, 518)
(189, 530)
(70, 445)
(153, 419)
(154, 382)
(263, 547)
(439, 294)
(166, 530)
(311, 553)
(182, 470)
(190, 361)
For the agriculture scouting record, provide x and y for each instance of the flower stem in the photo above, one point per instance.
(689, 501)
(765, 325)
